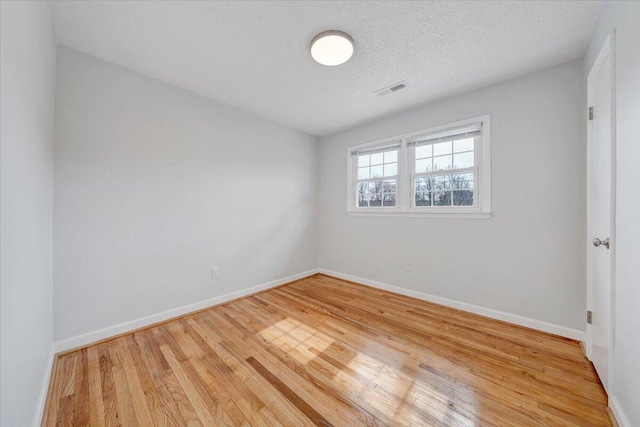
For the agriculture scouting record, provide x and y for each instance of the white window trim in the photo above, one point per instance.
(404, 183)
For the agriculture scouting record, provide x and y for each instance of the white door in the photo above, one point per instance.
(600, 213)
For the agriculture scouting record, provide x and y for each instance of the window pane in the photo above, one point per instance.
(375, 199)
(423, 151)
(442, 148)
(376, 159)
(423, 165)
(462, 181)
(390, 156)
(363, 173)
(423, 199)
(463, 145)
(442, 163)
(389, 186)
(362, 194)
(376, 171)
(441, 182)
(423, 184)
(463, 160)
(363, 160)
(442, 198)
(463, 197)
(391, 169)
(389, 199)
(362, 188)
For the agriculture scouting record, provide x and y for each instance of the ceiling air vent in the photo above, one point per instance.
(389, 89)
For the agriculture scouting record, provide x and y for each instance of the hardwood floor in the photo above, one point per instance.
(322, 351)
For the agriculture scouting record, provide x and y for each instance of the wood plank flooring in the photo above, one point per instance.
(326, 352)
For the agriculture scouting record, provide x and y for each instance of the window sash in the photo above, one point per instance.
(380, 178)
(382, 193)
(475, 190)
(445, 172)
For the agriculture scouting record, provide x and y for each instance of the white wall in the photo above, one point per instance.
(154, 185)
(624, 18)
(27, 91)
(528, 259)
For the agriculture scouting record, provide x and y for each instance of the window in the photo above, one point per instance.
(376, 176)
(444, 171)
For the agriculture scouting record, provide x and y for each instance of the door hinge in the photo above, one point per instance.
(589, 316)
(590, 113)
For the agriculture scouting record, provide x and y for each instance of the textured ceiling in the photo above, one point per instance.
(254, 55)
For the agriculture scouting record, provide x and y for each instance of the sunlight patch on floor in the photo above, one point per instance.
(403, 396)
(387, 391)
(296, 338)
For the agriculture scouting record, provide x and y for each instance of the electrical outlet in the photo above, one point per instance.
(214, 273)
(408, 267)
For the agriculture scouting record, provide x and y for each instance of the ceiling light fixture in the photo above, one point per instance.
(332, 48)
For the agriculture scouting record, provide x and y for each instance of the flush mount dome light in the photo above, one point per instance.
(332, 48)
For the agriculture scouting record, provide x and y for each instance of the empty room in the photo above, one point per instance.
(320, 213)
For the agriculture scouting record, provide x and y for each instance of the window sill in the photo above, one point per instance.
(473, 214)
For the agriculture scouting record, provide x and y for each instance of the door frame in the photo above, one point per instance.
(607, 50)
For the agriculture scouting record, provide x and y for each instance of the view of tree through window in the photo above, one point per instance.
(444, 190)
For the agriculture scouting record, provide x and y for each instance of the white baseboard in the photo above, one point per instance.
(618, 413)
(476, 309)
(44, 390)
(101, 334)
